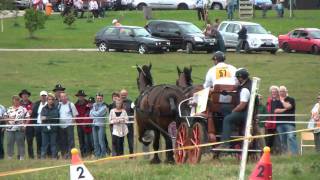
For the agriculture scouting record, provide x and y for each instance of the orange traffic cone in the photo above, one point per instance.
(75, 158)
(263, 170)
(77, 169)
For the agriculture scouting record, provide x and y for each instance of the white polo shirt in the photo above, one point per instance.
(221, 73)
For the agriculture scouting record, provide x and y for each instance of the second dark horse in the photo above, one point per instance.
(156, 108)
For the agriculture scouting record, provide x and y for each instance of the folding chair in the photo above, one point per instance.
(306, 136)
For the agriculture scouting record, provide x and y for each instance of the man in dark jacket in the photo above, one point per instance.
(127, 106)
(49, 115)
(36, 114)
(242, 38)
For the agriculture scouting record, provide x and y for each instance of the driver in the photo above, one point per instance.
(239, 113)
(221, 72)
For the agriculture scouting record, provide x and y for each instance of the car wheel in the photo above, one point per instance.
(103, 47)
(273, 52)
(189, 47)
(286, 48)
(183, 6)
(247, 48)
(315, 49)
(216, 6)
(142, 49)
(140, 6)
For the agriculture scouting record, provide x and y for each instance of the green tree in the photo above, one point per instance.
(34, 20)
(69, 19)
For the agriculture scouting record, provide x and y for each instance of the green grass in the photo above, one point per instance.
(107, 72)
(57, 35)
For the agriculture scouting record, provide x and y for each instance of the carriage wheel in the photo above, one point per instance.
(182, 140)
(196, 138)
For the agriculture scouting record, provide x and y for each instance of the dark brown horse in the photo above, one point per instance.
(185, 81)
(156, 108)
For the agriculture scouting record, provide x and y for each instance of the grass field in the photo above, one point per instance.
(57, 35)
(107, 72)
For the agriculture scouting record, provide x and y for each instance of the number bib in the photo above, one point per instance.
(222, 72)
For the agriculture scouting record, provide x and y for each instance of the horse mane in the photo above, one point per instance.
(187, 74)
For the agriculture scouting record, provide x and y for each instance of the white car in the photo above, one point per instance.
(258, 39)
(217, 4)
(164, 4)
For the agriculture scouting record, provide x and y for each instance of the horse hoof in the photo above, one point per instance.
(155, 161)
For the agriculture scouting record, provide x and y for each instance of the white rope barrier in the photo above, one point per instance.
(75, 118)
(61, 124)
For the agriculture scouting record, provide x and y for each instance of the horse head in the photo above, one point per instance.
(184, 77)
(144, 79)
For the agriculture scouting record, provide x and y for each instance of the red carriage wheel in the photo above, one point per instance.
(196, 138)
(182, 140)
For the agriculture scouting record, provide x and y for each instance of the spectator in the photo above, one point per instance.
(230, 8)
(216, 24)
(118, 117)
(273, 102)
(315, 118)
(49, 115)
(288, 107)
(94, 8)
(262, 110)
(220, 42)
(78, 8)
(36, 114)
(30, 130)
(2, 116)
(16, 133)
(264, 7)
(116, 22)
(127, 103)
(115, 97)
(200, 9)
(68, 7)
(280, 8)
(242, 38)
(84, 131)
(98, 112)
(102, 8)
(208, 30)
(67, 111)
(58, 89)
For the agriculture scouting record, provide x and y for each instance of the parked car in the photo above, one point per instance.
(164, 4)
(302, 39)
(258, 4)
(22, 4)
(182, 35)
(258, 39)
(129, 38)
(217, 4)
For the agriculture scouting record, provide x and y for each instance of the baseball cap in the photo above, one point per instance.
(43, 93)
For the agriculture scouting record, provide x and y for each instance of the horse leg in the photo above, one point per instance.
(156, 159)
(169, 154)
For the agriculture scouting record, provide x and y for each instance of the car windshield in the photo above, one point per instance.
(315, 34)
(255, 29)
(141, 32)
(189, 28)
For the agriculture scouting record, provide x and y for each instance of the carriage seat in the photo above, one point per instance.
(222, 94)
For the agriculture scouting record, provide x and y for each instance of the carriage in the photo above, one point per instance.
(206, 127)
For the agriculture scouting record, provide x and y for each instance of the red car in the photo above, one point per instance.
(302, 39)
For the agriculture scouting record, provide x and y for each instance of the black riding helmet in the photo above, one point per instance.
(242, 73)
(219, 56)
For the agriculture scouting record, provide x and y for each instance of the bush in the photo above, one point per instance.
(34, 20)
(69, 19)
